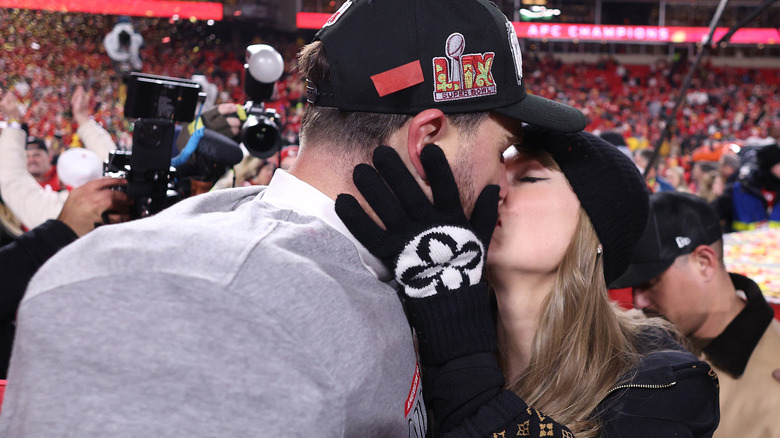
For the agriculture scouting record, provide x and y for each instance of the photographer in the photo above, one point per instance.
(31, 203)
(19, 260)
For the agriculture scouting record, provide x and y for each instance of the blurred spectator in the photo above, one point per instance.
(20, 259)
(240, 174)
(22, 194)
(288, 156)
(675, 176)
(250, 171)
(264, 175)
(211, 90)
(728, 166)
(750, 202)
(698, 170)
(711, 186)
(654, 181)
(617, 139)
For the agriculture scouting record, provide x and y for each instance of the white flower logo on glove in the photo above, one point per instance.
(440, 259)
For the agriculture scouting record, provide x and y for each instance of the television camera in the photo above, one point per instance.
(157, 103)
(156, 179)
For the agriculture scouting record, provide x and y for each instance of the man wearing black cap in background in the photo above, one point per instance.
(40, 166)
(751, 202)
(677, 271)
(189, 323)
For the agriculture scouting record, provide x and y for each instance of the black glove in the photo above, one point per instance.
(430, 247)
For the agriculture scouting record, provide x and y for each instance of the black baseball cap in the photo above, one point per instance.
(36, 143)
(405, 56)
(678, 223)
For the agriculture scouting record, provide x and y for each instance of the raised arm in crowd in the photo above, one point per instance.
(31, 203)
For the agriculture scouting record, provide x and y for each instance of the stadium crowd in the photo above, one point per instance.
(47, 54)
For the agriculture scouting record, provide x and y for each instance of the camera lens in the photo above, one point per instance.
(150, 134)
(260, 137)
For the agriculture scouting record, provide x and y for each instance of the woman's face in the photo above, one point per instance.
(536, 220)
(673, 178)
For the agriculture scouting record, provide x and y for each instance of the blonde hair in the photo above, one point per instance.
(679, 172)
(707, 187)
(584, 343)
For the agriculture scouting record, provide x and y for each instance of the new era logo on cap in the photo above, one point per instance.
(682, 242)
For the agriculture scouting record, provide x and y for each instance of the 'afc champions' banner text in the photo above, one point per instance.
(604, 32)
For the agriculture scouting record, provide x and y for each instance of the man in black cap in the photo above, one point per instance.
(751, 202)
(677, 271)
(189, 322)
(39, 164)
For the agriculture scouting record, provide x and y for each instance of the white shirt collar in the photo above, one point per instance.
(287, 192)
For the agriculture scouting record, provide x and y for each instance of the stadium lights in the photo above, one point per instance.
(538, 12)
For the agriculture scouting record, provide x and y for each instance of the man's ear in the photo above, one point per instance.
(706, 261)
(429, 126)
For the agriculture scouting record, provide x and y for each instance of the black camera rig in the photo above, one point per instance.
(157, 103)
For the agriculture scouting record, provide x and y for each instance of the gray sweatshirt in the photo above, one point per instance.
(222, 316)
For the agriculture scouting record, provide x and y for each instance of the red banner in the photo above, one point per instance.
(139, 8)
(654, 34)
(595, 32)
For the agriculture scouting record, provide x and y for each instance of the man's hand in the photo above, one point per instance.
(434, 251)
(10, 107)
(233, 122)
(80, 105)
(86, 204)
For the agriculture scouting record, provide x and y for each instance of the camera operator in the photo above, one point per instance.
(224, 119)
(19, 260)
(22, 193)
(253, 125)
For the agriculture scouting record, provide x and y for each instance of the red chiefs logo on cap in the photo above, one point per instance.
(458, 76)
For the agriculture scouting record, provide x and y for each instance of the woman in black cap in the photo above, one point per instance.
(574, 209)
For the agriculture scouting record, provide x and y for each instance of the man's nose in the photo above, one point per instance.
(641, 298)
(503, 184)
